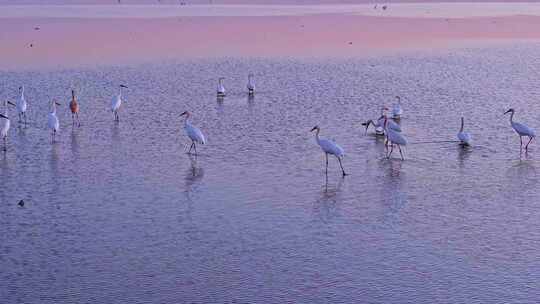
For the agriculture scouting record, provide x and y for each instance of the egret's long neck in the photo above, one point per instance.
(186, 120)
(120, 92)
(511, 117)
(317, 136)
(6, 109)
(22, 92)
(462, 125)
(53, 108)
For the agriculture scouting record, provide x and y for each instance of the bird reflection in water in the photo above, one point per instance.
(325, 206)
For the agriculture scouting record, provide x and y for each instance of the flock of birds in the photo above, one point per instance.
(384, 125)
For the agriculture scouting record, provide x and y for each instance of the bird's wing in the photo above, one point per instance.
(523, 129)
(196, 134)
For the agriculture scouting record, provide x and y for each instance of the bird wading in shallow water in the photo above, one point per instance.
(221, 87)
(464, 137)
(250, 85)
(194, 133)
(394, 138)
(22, 106)
(117, 102)
(74, 107)
(5, 123)
(397, 111)
(329, 147)
(521, 129)
(53, 122)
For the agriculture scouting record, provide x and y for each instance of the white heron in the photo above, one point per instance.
(395, 138)
(521, 130)
(194, 133)
(22, 105)
(397, 111)
(250, 84)
(464, 137)
(329, 147)
(53, 122)
(117, 102)
(221, 87)
(5, 124)
(379, 124)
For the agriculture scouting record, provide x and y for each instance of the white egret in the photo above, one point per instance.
(464, 137)
(329, 147)
(379, 124)
(521, 130)
(395, 138)
(193, 133)
(250, 85)
(74, 107)
(22, 105)
(5, 124)
(53, 122)
(117, 102)
(397, 111)
(221, 87)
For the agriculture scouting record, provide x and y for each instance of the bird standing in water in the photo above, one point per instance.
(329, 147)
(464, 137)
(193, 133)
(22, 105)
(117, 102)
(53, 122)
(74, 107)
(521, 130)
(220, 87)
(5, 124)
(250, 85)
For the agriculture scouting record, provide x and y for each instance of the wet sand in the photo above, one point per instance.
(66, 41)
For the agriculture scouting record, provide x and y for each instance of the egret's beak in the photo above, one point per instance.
(508, 111)
(11, 103)
(58, 104)
(3, 116)
(184, 113)
(123, 86)
(314, 128)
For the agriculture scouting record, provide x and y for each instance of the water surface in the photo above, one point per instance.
(118, 213)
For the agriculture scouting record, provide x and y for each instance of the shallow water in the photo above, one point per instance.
(118, 213)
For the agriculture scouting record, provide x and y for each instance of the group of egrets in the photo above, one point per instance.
(384, 126)
(53, 122)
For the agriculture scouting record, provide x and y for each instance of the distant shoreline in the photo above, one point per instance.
(63, 41)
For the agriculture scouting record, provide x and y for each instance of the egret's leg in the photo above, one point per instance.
(190, 147)
(195, 148)
(520, 142)
(342, 170)
(78, 120)
(25, 122)
(530, 139)
(326, 155)
(401, 153)
(391, 150)
(5, 143)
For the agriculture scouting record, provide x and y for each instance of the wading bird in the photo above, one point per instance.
(329, 147)
(521, 130)
(74, 107)
(194, 133)
(250, 85)
(117, 102)
(379, 123)
(5, 123)
(464, 137)
(397, 111)
(53, 122)
(220, 87)
(395, 138)
(22, 105)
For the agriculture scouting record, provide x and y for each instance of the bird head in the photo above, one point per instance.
(56, 103)
(509, 111)
(4, 116)
(10, 103)
(123, 86)
(72, 93)
(185, 113)
(398, 98)
(315, 128)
